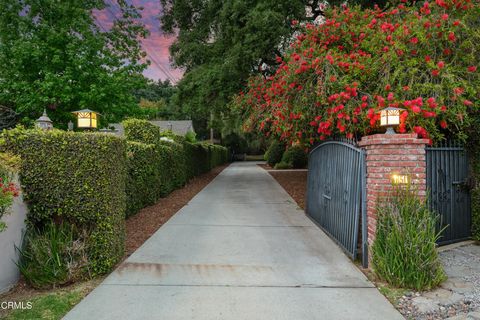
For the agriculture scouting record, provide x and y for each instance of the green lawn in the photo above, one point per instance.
(52, 304)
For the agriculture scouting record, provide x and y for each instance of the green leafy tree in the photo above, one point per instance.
(221, 43)
(155, 100)
(55, 56)
(156, 91)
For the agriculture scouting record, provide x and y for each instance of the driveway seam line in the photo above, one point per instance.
(235, 286)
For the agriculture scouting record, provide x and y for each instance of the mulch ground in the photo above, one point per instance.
(294, 182)
(144, 224)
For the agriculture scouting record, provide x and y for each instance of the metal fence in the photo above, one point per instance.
(447, 185)
(336, 192)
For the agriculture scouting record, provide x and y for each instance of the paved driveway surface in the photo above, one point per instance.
(241, 249)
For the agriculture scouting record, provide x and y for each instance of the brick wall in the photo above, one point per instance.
(402, 154)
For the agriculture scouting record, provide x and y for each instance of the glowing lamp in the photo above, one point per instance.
(390, 118)
(86, 118)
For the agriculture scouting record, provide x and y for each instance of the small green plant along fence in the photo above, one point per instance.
(337, 199)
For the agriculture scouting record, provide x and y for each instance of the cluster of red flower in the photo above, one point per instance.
(340, 74)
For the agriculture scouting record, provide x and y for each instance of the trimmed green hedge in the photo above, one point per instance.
(167, 165)
(143, 172)
(78, 179)
(141, 131)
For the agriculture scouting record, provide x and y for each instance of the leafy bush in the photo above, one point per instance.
(52, 256)
(296, 157)
(170, 161)
(77, 178)
(141, 131)
(191, 137)
(177, 166)
(283, 165)
(8, 189)
(274, 153)
(144, 176)
(404, 251)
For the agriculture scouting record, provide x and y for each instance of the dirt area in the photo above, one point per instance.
(293, 181)
(142, 225)
(139, 228)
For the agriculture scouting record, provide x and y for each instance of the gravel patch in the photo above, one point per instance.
(458, 298)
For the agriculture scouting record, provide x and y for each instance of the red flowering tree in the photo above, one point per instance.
(338, 75)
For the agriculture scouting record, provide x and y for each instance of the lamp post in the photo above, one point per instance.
(86, 118)
(44, 122)
(390, 118)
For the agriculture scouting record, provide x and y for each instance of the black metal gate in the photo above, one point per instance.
(336, 193)
(449, 196)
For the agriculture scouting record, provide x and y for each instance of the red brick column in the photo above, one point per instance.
(388, 154)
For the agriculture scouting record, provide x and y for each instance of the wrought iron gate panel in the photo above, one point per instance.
(336, 180)
(449, 196)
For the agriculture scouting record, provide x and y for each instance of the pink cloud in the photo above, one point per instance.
(156, 45)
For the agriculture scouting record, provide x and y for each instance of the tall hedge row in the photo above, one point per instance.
(80, 187)
(143, 172)
(167, 165)
(76, 179)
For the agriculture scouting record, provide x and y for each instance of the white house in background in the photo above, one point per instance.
(179, 127)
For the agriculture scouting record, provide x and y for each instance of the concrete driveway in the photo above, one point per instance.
(241, 249)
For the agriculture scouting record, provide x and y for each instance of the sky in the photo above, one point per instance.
(157, 43)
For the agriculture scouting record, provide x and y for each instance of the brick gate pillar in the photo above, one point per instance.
(391, 156)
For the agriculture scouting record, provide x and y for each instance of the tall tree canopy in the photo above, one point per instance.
(222, 42)
(53, 55)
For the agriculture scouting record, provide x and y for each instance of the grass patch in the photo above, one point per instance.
(51, 304)
(391, 293)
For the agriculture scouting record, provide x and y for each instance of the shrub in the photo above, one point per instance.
(52, 256)
(283, 165)
(8, 189)
(176, 169)
(404, 251)
(274, 153)
(144, 176)
(141, 131)
(160, 162)
(191, 137)
(296, 157)
(77, 178)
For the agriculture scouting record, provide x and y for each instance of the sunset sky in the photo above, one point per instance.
(157, 43)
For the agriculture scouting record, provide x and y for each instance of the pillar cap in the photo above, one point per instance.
(396, 139)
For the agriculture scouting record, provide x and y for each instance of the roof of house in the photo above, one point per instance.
(180, 127)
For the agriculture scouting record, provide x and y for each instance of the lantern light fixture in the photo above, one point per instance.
(390, 118)
(86, 118)
(44, 122)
